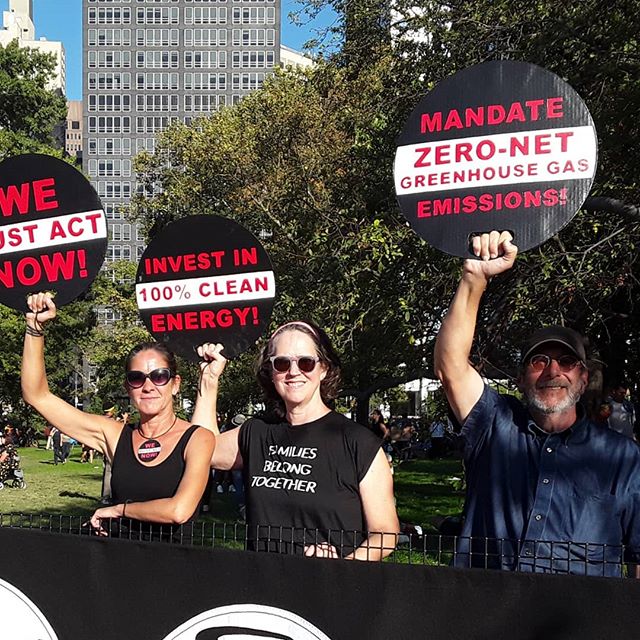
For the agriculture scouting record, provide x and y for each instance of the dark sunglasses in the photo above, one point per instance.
(159, 377)
(540, 361)
(282, 364)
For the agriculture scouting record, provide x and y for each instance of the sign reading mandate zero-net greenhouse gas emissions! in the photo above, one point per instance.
(501, 145)
(205, 279)
(53, 230)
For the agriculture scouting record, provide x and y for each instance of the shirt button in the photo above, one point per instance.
(545, 481)
(549, 450)
(538, 517)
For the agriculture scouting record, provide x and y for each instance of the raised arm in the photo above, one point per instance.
(462, 383)
(97, 432)
(205, 412)
(179, 508)
(226, 454)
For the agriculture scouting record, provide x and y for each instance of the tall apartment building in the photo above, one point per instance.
(17, 24)
(148, 63)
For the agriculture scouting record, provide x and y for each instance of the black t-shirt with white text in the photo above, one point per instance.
(302, 483)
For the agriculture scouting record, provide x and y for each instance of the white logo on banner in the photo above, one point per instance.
(21, 619)
(247, 622)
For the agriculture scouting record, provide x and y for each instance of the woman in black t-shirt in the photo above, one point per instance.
(160, 467)
(315, 482)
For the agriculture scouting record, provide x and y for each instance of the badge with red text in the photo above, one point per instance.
(502, 145)
(53, 230)
(149, 450)
(205, 279)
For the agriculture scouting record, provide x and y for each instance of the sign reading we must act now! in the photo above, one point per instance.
(53, 230)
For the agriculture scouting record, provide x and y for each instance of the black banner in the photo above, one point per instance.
(69, 587)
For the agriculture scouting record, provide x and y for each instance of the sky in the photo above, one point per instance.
(61, 20)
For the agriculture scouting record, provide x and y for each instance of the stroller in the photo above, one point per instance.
(11, 475)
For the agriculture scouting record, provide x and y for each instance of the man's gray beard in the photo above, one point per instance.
(535, 403)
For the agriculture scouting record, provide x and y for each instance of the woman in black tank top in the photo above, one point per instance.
(160, 466)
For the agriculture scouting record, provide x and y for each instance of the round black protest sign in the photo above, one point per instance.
(502, 145)
(205, 279)
(53, 231)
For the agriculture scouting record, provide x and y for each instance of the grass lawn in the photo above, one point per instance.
(426, 490)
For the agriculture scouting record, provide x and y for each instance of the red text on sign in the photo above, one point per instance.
(487, 202)
(33, 271)
(188, 262)
(14, 197)
(203, 319)
(493, 114)
(486, 149)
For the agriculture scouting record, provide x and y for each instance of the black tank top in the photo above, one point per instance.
(132, 481)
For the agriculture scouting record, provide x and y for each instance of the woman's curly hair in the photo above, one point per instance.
(329, 387)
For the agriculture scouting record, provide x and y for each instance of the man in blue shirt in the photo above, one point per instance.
(548, 490)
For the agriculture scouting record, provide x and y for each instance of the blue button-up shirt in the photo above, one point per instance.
(565, 502)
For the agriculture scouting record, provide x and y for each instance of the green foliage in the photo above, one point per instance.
(29, 111)
(307, 164)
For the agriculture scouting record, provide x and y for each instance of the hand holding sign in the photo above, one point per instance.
(212, 364)
(53, 231)
(41, 309)
(501, 145)
(205, 279)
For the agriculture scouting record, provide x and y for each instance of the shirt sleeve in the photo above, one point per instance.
(631, 519)
(243, 438)
(364, 446)
(479, 422)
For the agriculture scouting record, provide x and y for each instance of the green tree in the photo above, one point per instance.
(29, 112)
(72, 325)
(307, 163)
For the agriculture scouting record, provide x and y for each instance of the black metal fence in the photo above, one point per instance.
(413, 547)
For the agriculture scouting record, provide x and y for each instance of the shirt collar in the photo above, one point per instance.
(576, 429)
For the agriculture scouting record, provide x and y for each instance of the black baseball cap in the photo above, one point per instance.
(561, 335)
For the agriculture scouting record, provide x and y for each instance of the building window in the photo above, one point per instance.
(205, 15)
(203, 103)
(153, 124)
(254, 15)
(108, 59)
(158, 15)
(253, 59)
(205, 59)
(157, 37)
(254, 37)
(158, 59)
(109, 37)
(109, 81)
(157, 81)
(113, 189)
(205, 37)
(205, 81)
(247, 81)
(157, 102)
(109, 124)
(145, 144)
(110, 102)
(109, 146)
(109, 15)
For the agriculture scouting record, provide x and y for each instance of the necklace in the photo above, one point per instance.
(150, 449)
